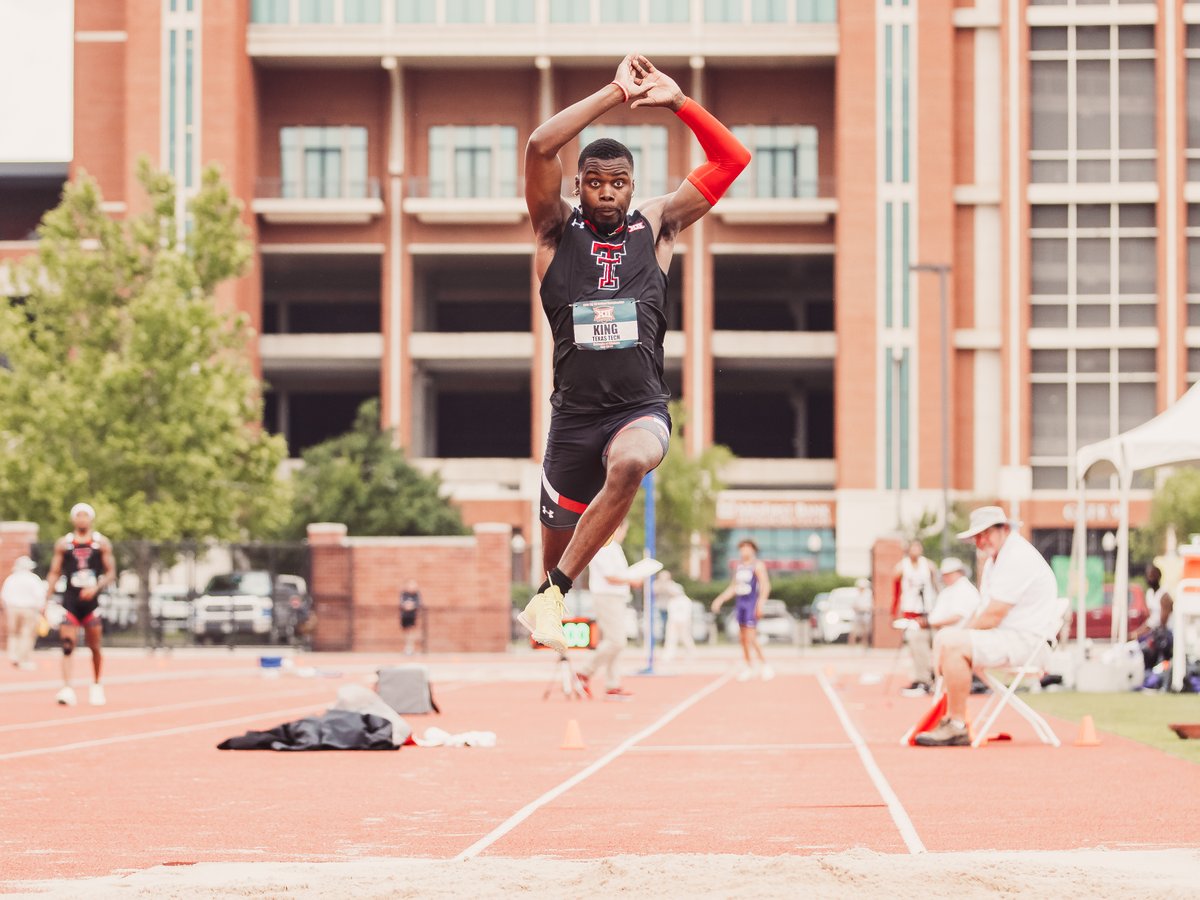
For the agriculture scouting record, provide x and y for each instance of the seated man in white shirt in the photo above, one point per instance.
(955, 605)
(1018, 601)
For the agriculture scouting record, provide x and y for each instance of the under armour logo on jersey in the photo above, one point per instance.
(608, 257)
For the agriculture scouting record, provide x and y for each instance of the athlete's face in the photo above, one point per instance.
(82, 521)
(605, 191)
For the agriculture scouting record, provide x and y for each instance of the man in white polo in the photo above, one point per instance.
(955, 604)
(1018, 601)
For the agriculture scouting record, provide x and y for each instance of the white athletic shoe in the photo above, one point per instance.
(66, 696)
(746, 674)
(767, 673)
(96, 695)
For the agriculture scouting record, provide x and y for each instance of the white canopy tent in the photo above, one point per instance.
(1173, 436)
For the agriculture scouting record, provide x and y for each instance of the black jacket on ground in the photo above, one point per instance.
(335, 729)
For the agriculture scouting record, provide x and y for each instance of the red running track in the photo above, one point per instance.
(696, 763)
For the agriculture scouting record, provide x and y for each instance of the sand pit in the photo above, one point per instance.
(856, 873)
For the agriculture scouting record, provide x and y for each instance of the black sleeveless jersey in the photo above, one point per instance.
(604, 297)
(83, 564)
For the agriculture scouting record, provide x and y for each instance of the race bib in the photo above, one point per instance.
(83, 578)
(605, 324)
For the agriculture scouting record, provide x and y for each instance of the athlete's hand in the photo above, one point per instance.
(87, 593)
(625, 76)
(652, 87)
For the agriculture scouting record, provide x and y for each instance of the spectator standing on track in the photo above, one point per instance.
(914, 575)
(610, 584)
(751, 586)
(410, 610)
(864, 604)
(23, 595)
(85, 558)
(1019, 596)
(679, 615)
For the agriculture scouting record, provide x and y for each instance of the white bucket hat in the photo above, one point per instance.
(83, 508)
(952, 564)
(982, 519)
(23, 564)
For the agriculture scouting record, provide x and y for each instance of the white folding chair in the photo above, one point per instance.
(1006, 695)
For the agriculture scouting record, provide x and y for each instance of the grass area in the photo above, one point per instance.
(1138, 715)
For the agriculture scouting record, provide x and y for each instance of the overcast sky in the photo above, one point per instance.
(36, 38)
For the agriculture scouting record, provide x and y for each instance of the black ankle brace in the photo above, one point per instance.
(558, 578)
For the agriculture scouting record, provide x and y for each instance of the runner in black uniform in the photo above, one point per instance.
(85, 559)
(603, 272)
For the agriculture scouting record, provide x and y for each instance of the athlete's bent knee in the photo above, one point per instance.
(68, 646)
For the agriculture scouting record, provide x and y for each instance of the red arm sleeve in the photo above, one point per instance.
(726, 155)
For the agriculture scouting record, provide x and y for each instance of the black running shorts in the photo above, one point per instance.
(577, 456)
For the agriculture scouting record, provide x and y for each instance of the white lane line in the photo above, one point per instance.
(147, 710)
(165, 732)
(734, 748)
(903, 823)
(34, 686)
(529, 809)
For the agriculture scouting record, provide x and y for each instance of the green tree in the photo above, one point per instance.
(363, 481)
(1176, 505)
(125, 384)
(685, 499)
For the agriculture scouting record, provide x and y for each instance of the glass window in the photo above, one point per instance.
(1137, 104)
(1049, 422)
(1138, 269)
(648, 144)
(1092, 104)
(722, 10)
(270, 12)
(816, 10)
(362, 12)
(323, 162)
(1135, 404)
(568, 11)
(416, 12)
(669, 10)
(783, 161)
(473, 161)
(1049, 269)
(769, 11)
(1048, 102)
(464, 11)
(619, 11)
(316, 11)
(514, 11)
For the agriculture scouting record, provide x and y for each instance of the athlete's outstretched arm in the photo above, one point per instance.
(726, 156)
(543, 170)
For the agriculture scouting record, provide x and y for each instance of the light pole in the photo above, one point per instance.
(943, 274)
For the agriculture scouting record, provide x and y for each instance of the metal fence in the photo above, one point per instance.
(161, 597)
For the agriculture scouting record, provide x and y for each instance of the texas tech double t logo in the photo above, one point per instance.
(608, 258)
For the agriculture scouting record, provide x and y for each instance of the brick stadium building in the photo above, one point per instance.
(1041, 149)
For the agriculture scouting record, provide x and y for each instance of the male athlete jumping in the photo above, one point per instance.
(85, 558)
(603, 274)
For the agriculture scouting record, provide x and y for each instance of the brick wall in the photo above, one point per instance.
(464, 582)
(884, 555)
(16, 539)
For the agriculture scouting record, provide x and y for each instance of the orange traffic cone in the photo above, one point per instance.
(1087, 734)
(572, 737)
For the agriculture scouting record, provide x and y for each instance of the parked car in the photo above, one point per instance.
(1098, 622)
(831, 617)
(253, 603)
(171, 607)
(775, 624)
